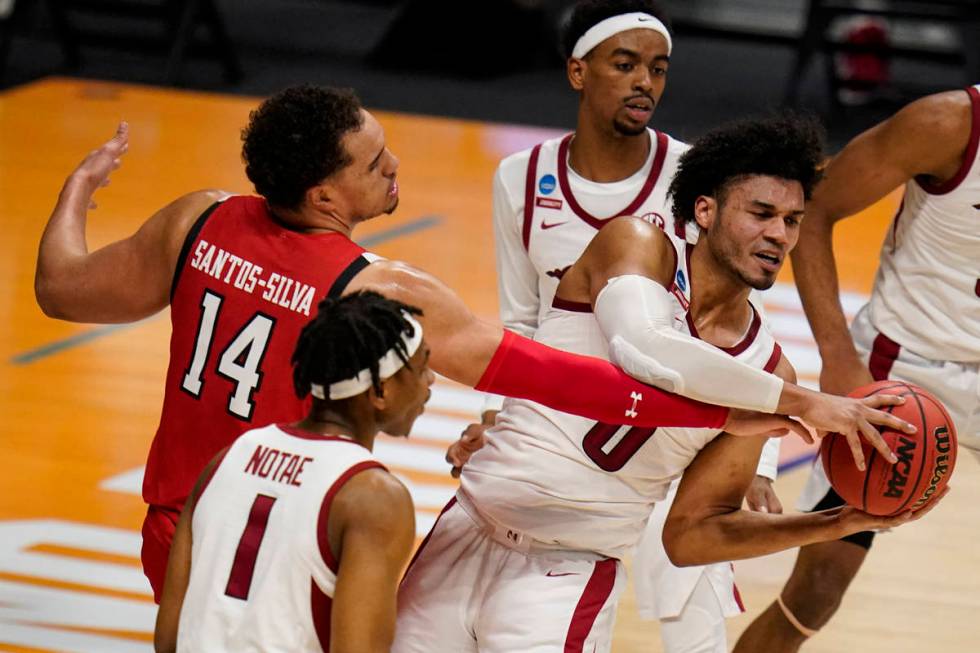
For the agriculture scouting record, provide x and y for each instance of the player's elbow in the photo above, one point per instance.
(679, 547)
(49, 297)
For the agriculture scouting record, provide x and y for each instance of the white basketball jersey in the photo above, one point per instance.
(262, 574)
(562, 211)
(569, 481)
(926, 295)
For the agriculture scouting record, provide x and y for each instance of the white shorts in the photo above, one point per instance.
(472, 587)
(700, 628)
(957, 385)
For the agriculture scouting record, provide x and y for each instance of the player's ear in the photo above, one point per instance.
(378, 401)
(705, 211)
(575, 68)
(320, 197)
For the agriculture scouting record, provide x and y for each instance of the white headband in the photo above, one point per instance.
(388, 366)
(616, 24)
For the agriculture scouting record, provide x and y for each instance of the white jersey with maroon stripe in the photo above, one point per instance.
(262, 574)
(926, 295)
(567, 481)
(545, 214)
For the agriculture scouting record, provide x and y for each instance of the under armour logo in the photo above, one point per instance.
(636, 397)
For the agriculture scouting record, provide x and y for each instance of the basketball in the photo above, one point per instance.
(925, 459)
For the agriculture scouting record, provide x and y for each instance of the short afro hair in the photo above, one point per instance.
(588, 13)
(786, 145)
(350, 334)
(293, 140)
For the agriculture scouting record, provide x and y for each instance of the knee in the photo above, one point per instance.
(815, 590)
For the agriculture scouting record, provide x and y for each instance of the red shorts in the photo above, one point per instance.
(158, 532)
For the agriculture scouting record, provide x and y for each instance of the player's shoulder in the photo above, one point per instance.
(675, 145)
(939, 116)
(373, 494)
(513, 168)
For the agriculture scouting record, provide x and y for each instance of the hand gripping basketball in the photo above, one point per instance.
(925, 458)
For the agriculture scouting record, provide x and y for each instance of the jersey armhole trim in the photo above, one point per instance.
(322, 539)
(774, 358)
(207, 480)
(185, 249)
(969, 158)
(532, 172)
(344, 278)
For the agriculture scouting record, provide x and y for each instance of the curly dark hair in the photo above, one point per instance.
(347, 335)
(589, 12)
(785, 145)
(293, 140)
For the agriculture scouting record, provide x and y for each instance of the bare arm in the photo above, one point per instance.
(125, 280)
(372, 529)
(706, 523)
(179, 568)
(927, 138)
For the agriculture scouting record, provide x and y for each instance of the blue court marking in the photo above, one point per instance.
(52, 348)
(793, 463)
(36, 354)
(401, 230)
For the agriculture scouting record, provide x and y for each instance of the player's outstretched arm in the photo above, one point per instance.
(179, 568)
(371, 530)
(126, 280)
(928, 137)
(706, 523)
(482, 355)
(625, 272)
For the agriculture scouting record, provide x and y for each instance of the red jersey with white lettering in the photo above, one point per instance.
(244, 287)
(262, 572)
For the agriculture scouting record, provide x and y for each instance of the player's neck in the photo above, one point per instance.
(306, 221)
(330, 423)
(719, 300)
(605, 156)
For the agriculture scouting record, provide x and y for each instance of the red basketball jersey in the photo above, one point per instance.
(244, 287)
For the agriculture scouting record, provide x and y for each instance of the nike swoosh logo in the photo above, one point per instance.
(549, 226)
(644, 20)
(554, 575)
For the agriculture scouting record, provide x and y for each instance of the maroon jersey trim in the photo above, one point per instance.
(595, 595)
(345, 277)
(968, 158)
(532, 173)
(884, 353)
(289, 429)
(568, 305)
(418, 551)
(207, 480)
(322, 540)
(744, 343)
(777, 354)
(651, 181)
(320, 607)
(185, 249)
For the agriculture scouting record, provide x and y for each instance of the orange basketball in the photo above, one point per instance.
(925, 459)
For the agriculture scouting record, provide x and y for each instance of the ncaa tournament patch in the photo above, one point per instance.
(547, 184)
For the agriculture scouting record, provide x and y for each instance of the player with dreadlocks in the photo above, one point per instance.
(301, 535)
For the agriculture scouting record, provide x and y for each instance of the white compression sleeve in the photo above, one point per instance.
(635, 315)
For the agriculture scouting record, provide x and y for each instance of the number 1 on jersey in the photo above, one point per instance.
(240, 360)
(243, 567)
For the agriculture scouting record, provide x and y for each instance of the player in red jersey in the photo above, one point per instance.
(241, 273)
(331, 533)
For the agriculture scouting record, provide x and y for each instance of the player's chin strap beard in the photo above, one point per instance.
(790, 617)
(388, 366)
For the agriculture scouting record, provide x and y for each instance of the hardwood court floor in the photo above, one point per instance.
(80, 403)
